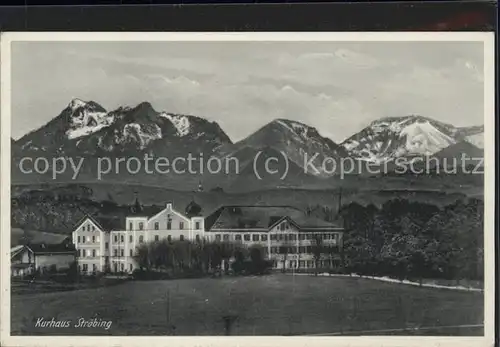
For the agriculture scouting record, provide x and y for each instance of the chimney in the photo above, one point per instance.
(169, 205)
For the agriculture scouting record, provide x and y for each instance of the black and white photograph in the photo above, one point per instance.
(195, 185)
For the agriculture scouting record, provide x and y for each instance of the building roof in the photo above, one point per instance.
(21, 265)
(145, 211)
(193, 209)
(41, 248)
(104, 223)
(262, 217)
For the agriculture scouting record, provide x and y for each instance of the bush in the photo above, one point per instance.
(145, 275)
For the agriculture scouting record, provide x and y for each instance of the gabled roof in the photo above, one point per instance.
(262, 218)
(145, 211)
(41, 248)
(103, 223)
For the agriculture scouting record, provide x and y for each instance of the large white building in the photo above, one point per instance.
(287, 235)
(105, 244)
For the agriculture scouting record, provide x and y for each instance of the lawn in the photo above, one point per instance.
(270, 305)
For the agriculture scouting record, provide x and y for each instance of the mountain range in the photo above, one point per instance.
(86, 129)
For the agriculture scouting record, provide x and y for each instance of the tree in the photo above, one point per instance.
(284, 249)
(142, 257)
(317, 250)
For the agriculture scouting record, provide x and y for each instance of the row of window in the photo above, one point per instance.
(141, 238)
(276, 237)
(88, 228)
(292, 264)
(157, 226)
(82, 253)
(295, 250)
(88, 239)
(238, 237)
(85, 267)
(88, 253)
(122, 252)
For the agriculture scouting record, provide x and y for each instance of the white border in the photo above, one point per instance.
(489, 199)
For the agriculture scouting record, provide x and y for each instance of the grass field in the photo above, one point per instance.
(269, 305)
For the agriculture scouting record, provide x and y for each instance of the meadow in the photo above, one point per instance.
(277, 304)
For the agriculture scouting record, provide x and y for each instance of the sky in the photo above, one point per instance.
(336, 87)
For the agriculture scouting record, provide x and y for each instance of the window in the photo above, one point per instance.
(217, 237)
(116, 238)
(197, 238)
(273, 236)
(93, 228)
(157, 238)
(122, 266)
(93, 239)
(115, 252)
(157, 225)
(225, 237)
(293, 237)
(131, 253)
(106, 245)
(94, 267)
(274, 249)
(181, 225)
(85, 267)
(246, 237)
(237, 237)
(302, 236)
(83, 228)
(182, 238)
(302, 249)
(197, 226)
(78, 238)
(83, 239)
(255, 237)
(131, 267)
(84, 253)
(122, 253)
(263, 237)
(130, 238)
(93, 253)
(130, 226)
(141, 226)
(301, 263)
(169, 238)
(79, 252)
(169, 224)
(122, 238)
(141, 239)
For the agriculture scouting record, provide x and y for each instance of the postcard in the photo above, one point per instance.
(251, 189)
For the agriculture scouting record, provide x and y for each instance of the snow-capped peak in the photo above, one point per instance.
(76, 103)
(86, 118)
(393, 137)
(424, 138)
(476, 139)
(181, 123)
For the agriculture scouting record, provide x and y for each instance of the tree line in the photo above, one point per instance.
(415, 240)
(185, 257)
